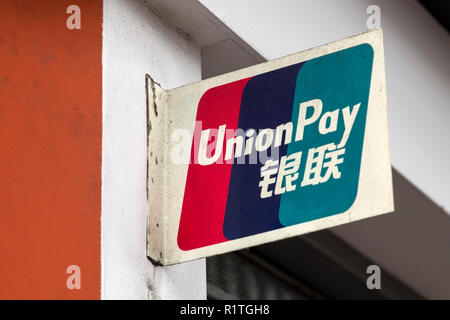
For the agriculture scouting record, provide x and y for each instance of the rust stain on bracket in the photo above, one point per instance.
(156, 101)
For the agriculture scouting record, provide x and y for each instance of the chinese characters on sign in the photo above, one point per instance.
(323, 157)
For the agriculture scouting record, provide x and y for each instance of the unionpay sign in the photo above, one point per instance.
(278, 151)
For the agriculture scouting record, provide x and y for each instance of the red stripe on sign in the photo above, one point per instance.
(206, 191)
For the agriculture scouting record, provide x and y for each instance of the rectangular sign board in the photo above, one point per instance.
(272, 151)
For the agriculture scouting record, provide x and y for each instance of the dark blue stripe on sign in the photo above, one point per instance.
(267, 102)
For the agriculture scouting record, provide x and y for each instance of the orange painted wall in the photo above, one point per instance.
(50, 157)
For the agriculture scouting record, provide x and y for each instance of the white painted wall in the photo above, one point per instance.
(417, 69)
(136, 42)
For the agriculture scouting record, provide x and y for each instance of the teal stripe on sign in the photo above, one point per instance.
(339, 80)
